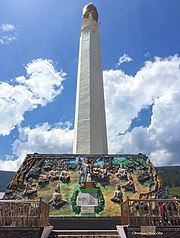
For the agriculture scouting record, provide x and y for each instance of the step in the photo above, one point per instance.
(84, 234)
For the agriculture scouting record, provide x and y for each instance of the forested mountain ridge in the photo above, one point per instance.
(5, 179)
(170, 175)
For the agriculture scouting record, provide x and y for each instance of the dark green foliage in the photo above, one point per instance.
(101, 202)
(76, 209)
(170, 175)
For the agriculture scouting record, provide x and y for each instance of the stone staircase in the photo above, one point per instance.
(84, 234)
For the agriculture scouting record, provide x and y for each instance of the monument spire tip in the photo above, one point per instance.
(90, 8)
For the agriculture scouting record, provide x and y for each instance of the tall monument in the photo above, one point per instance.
(90, 136)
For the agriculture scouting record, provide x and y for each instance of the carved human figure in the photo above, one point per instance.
(129, 185)
(118, 196)
(57, 200)
(121, 172)
(29, 189)
(65, 176)
(83, 171)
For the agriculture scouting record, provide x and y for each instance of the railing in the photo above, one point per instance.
(150, 212)
(21, 213)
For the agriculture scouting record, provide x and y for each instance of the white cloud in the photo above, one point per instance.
(8, 33)
(44, 139)
(10, 165)
(41, 139)
(5, 40)
(41, 85)
(156, 83)
(122, 59)
(147, 54)
(7, 27)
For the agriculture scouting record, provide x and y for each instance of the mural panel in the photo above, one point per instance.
(84, 185)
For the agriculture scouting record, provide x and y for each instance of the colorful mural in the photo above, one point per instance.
(84, 185)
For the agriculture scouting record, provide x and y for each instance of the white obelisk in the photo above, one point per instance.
(90, 136)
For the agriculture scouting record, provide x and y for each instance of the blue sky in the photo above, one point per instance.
(39, 44)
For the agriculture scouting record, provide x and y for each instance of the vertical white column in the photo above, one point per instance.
(90, 135)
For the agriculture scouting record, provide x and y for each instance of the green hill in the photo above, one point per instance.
(5, 179)
(170, 176)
